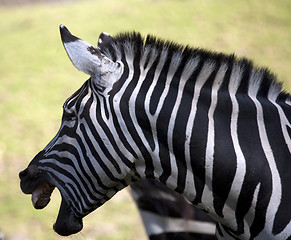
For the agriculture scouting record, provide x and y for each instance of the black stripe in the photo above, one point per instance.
(157, 92)
(224, 167)
(141, 115)
(149, 169)
(179, 131)
(120, 133)
(256, 163)
(199, 138)
(94, 131)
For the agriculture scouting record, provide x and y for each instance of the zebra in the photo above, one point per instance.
(168, 215)
(210, 126)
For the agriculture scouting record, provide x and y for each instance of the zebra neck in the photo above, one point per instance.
(211, 127)
(208, 136)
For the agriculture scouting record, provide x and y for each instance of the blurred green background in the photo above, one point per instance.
(36, 77)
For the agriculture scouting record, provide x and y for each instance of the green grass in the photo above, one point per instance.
(36, 77)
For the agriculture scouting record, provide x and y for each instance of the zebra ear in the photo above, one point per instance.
(104, 40)
(90, 60)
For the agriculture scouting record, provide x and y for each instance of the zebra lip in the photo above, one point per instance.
(40, 197)
(67, 223)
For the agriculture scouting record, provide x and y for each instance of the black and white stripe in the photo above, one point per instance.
(210, 126)
(168, 215)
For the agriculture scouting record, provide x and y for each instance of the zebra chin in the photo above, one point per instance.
(67, 223)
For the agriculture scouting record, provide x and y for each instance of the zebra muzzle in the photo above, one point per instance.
(37, 184)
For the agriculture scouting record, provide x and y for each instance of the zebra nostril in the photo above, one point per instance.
(23, 174)
(29, 172)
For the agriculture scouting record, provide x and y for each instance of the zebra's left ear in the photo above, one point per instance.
(91, 61)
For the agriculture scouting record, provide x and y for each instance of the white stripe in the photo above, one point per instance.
(204, 74)
(153, 118)
(110, 124)
(93, 113)
(250, 215)
(275, 199)
(129, 55)
(175, 62)
(135, 92)
(231, 202)
(188, 70)
(207, 196)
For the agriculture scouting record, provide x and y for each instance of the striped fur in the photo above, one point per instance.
(168, 215)
(210, 126)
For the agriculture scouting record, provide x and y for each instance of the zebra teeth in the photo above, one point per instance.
(40, 197)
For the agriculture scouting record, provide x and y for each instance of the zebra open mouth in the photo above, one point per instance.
(67, 223)
(39, 185)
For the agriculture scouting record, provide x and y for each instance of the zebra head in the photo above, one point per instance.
(81, 161)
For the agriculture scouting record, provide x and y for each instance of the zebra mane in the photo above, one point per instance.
(135, 44)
